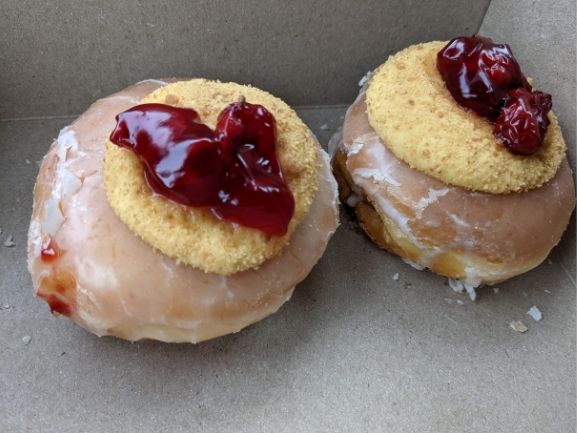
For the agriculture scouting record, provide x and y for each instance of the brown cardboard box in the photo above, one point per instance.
(354, 350)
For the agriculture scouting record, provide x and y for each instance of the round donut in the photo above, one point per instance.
(91, 267)
(471, 236)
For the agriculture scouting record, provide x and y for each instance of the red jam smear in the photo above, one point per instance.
(485, 77)
(56, 305)
(49, 251)
(59, 291)
(233, 169)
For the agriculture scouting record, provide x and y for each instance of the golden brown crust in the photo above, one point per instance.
(411, 110)
(374, 223)
(387, 235)
(192, 235)
(479, 238)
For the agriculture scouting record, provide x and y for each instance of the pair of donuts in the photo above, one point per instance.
(184, 210)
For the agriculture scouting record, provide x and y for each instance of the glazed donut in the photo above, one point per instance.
(87, 264)
(474, 237)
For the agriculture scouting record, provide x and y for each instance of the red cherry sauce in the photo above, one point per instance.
(56, 305)
(233, 170)
(58, 289)
(49, 251)
(485, 77)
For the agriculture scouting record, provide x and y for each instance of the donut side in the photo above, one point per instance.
(480, 238)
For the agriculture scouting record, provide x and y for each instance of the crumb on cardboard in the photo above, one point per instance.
(535, 313)
(518, 326)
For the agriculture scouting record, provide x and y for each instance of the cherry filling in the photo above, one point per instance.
(49, 251)
(56, 305)
(233, 169)
(486, 78)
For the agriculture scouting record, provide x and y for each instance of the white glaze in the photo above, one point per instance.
(354, 148)
(495, 236)
(415, 265)
(153, 81)
(125, 288)
(65, 182)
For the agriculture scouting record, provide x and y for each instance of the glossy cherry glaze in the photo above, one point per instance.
(484, 76)
(522, 124)
(233, 169)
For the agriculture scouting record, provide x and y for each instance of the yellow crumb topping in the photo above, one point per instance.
(194, 236)
(414, 114)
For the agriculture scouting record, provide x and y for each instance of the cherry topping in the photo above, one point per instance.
(485, 77)
(479, 73)
(522, 124)
(232, 170)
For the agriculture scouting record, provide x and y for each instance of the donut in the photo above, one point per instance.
(433, 182)
(117, 257)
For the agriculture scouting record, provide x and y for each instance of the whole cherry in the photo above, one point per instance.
(479, 73)
(485, 77)
(522, 124)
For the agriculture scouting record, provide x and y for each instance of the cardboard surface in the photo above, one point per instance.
(353, 350)
(543, 37)
(57, 57)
